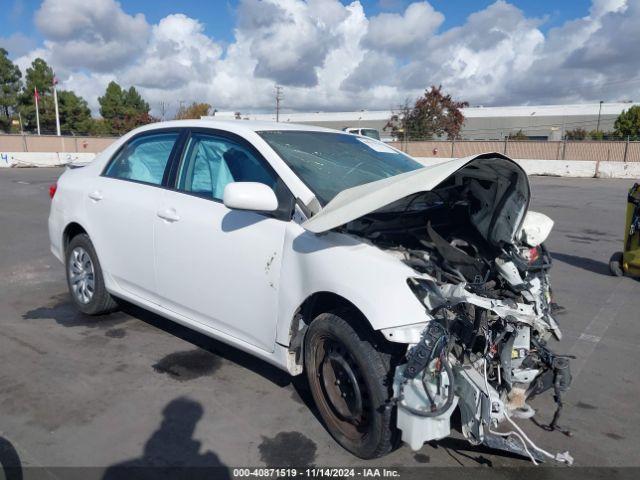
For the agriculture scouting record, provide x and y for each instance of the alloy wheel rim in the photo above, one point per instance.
(81, 275)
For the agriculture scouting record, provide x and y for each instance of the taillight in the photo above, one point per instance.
(534, 254)
(52, 190)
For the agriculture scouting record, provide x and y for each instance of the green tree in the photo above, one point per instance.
(434, 114)
(39, 75)
(596, 135)
(123, 110)
(100, 128)
(134, 103)
(112, 102)
(75, 115)
(628, 123)
(195, 110)
(10, 83)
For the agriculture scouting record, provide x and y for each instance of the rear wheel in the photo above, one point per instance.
(615, 264)
(350, 383)
(84, 278)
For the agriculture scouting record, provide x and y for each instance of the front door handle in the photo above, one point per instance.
(169, 215)
(96, 196)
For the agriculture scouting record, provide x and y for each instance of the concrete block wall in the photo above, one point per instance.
(42, 159)
(566, 168)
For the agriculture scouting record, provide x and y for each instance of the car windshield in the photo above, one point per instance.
(329, 163)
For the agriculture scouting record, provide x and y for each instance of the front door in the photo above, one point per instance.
(217, 266)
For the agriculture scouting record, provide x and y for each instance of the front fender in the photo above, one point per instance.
(368, 277)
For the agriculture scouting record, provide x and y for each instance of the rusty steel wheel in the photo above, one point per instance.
(348, 378)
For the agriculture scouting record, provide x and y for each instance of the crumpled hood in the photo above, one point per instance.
(355, 202)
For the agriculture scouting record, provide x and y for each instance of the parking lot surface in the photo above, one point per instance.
(134, 388)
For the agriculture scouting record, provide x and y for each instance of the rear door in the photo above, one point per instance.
(122, 205)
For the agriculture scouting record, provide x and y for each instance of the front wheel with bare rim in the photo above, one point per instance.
(84, 278)
(351, 384)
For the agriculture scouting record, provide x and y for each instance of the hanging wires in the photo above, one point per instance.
(519, 433)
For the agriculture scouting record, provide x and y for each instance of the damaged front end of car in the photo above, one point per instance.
(485, 355)
(481, 272)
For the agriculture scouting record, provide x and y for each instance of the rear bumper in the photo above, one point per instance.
(55, 233)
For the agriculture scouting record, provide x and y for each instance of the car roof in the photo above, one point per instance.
(236, 126)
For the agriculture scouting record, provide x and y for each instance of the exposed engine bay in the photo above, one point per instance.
(482, 274)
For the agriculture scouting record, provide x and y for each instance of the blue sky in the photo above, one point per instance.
(333, 55)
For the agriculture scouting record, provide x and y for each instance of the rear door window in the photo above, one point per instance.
(144, 159)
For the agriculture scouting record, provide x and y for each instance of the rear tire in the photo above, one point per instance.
(84, 278)
(350, 381)
(615, 264)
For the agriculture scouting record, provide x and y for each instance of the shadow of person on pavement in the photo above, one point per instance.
(10, 463)
(171, 452)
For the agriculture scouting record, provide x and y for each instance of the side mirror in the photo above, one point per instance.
(252, 196)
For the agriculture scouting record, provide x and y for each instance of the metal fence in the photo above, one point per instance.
(611, 151)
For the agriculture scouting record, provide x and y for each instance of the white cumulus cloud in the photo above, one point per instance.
(96, 35)
(332, 56)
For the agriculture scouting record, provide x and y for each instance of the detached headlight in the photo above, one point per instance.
(428, 293)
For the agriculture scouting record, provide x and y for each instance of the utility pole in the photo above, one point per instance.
(278, 100)
(599, 112)
(163, 110)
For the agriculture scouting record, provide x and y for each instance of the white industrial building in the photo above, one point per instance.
(540, 122)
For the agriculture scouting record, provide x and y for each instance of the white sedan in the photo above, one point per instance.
(402, 291)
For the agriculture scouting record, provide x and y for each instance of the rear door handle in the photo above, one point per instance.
(169, 215)
(96, 196)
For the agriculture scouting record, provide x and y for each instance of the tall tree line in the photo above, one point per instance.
(121, 109)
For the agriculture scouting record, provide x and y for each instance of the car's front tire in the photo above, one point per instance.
(84, 278)
(351, 385)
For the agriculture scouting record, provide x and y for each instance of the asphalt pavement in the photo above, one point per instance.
(132, 388)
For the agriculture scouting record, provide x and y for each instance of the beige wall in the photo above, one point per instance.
(52, 143)
(541, 150)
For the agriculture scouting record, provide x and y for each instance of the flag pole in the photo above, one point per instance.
(35, 94)
(55, 101)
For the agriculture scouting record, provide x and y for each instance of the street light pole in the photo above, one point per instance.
(599, 112)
